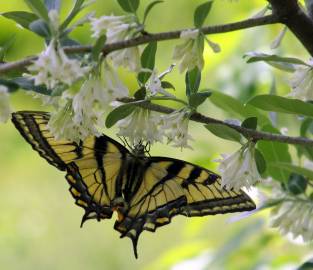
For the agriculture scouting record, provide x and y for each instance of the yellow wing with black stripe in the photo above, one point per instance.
(170, 187)
(98, 158)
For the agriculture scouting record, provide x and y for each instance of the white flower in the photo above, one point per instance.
(54, 19)
(141, 125)
(302, 83)
(294, 216)
(175, 128)
(63, 124)
(118, 28)
(154, 85)
(5, 110)
(53, 67)
(190, 53)
(239, 169)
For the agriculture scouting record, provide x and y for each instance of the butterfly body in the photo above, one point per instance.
(146, 192)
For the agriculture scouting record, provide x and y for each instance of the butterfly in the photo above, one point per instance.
(146, 192)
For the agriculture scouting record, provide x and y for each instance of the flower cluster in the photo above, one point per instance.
(54, 67)
(144, 125)
(239, 169)
(294, 216)
(118, 28)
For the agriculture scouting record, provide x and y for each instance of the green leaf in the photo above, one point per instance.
(294, 169)
(224, 132)
(38, 8)
(235, 107)
(140, 94)
(23, 18)
(147, 61)
(11, 85)
(149, 8)
(201, 13)
(196, 99)
(119, 113)
(76, 9)
(305, 150)
(281, 104)
(97, 48)
(167, 85)
(41, 28)
(306, 266)
(274, 152)
(129, 5)
(260, 161)
(52, 4)
(4, 48)
(283, 63)
(297, 184)
(28, 84)
(307, 125)
(192, 80)
(251, 122)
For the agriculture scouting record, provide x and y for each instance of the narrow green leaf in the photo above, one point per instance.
(224, 132)
(76, 9)
(140, 94)
(251, 122)
(97, 48)
(294, 169)
(129, 5)
(260, 161)
(167, 85)
(274, 152)
(23, 18)
(192, 80)
(4, 48)
(255, 57)
(149, 8)
(196, 99)
(147, 61)
(281, 104)
(53, 4)
(41, 28)
(297, 184)
(201, 13)
(233, 107)
(28, 84)
(38, 8)
(119, 113)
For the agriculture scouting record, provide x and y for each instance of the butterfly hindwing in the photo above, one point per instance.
(170, 187)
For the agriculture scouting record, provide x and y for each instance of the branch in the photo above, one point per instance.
(292, 15)
(215, 29)
(248, 133)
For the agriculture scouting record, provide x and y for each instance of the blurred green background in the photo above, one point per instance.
(39, 223)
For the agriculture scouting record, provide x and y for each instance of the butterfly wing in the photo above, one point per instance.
(93, 166)
(170, 187)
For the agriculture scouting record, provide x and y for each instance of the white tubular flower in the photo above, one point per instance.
(141, 125)
(63, 124)
(5, 110)
(190, 53)
(294, 216)
(175, 128)
(239, 169)
(53, 67)
(54, 19)
(154, 85)
(128, 58)
(302, 83)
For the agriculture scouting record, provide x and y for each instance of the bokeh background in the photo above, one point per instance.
(39, 223)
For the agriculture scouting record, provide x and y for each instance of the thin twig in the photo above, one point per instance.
(248, 133)
(223, 28)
